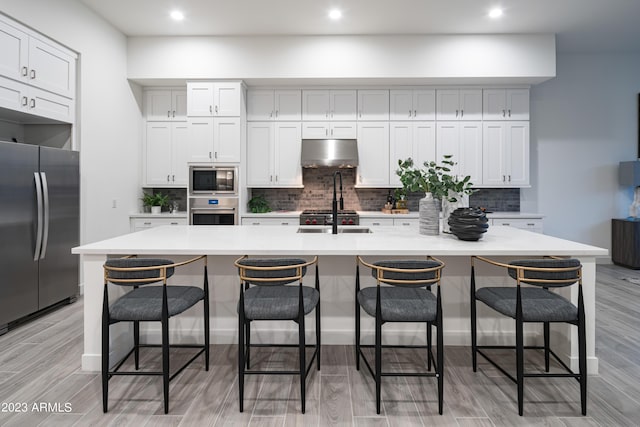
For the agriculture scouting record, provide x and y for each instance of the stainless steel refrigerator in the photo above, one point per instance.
(39, 224)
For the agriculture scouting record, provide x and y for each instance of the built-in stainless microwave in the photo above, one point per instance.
(207, 180)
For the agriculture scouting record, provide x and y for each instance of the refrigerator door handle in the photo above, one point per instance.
(36, 253)
(45, 233)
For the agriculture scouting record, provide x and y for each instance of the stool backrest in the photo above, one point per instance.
(137, 271)
(271, 271)
(547, 272)
(407, 273)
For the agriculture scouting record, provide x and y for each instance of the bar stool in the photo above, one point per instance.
(409, 298)
(145, 303)
(264, 295)
(534, 304)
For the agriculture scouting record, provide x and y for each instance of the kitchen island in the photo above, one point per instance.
(223, 244)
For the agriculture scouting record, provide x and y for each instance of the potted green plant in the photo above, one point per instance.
(156, 201)
(258, 204)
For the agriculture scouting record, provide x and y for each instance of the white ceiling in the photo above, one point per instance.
(580, 25)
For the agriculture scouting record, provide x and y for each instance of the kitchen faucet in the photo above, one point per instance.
(334, 203)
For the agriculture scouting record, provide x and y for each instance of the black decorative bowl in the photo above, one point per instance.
(468, 223)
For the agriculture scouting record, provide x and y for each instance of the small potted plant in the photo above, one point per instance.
(156, 201)
(258, 204)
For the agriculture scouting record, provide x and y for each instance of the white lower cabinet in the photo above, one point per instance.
(166, 154)
(376, 222)
(273, 154)
(410, 139)
(505, 154)
(139, 224)
(373, 154)
(531, 224)
(214, 140)
(293, 220)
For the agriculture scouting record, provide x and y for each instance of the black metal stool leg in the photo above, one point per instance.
(378, 351)
(546, 346)
(105, 351)
(247, 338)
(474, 332)
(440, 344)
(519, 353)
(582, 352)
(241, 352)
(318, 334)
(301, 348)
(357, 318)
(165, 361)
(136, 344)
(429, 341)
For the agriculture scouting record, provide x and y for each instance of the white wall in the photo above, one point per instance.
(109, 115)
(583, 123)
(424, 58)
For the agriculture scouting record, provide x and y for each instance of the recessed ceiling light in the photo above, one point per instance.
(335, 14)
(177, 15)
(495, 13)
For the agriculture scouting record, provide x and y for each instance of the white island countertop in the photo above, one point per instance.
(260, 240)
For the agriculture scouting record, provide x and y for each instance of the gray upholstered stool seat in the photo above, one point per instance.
(400, 304)
(538, 305)
(145, 303)
(278, 302)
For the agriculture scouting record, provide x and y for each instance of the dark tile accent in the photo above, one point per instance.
(497, 199)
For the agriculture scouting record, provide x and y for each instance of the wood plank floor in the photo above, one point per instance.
(40, 364)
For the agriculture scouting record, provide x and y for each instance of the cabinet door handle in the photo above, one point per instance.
(25, 101)
(409, 113)
(25, 71)
(360, 113)
(509, 112)
(255, 223)
(504, 113)
(168, 113)
(461, 113)
(331, 132)
(270, 116)
(33, 74)
(173, 178)
(284, 223)
(174, 113)
(168, 178)
(457, 113)
(375, 223)
(147, 223)
(174, 223)
(209, 154)
(215, 154)
(210, 109)
(415, 113)
(509, 178)
(503, 178)
(326, 132)
(508, 224)
(33, 103)
(406, 223)
(216, 109)
(271, 178)
(326, 114)
(531, 224)
(276, 114)
(276, 178)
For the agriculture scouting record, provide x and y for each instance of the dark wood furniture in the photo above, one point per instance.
(625, 243)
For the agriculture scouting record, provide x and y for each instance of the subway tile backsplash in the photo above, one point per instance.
(318, 193)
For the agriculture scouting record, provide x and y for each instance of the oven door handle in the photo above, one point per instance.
(213, 210)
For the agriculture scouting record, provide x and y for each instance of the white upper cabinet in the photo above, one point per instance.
(373, 154)
(273, 154)
(319, 105)
(505, 104)
(419, 104)
(267, 104)
(211, 99)
(410, 139)
(165, 105)
(37, 75)
(214, 140)
(373, 104)
(459, 104)
(463, 141)
(506, 154)
(322, 130)
(166, 154)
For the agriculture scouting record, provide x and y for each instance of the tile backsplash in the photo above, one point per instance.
(318, 193)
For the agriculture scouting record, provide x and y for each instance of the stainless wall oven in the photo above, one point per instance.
(211, 180)
(213, 210)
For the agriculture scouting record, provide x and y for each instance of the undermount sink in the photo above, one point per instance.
(327, 230)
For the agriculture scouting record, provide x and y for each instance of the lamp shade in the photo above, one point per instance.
(629, 173)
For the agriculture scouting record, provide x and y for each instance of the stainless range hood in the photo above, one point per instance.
(342, 153)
